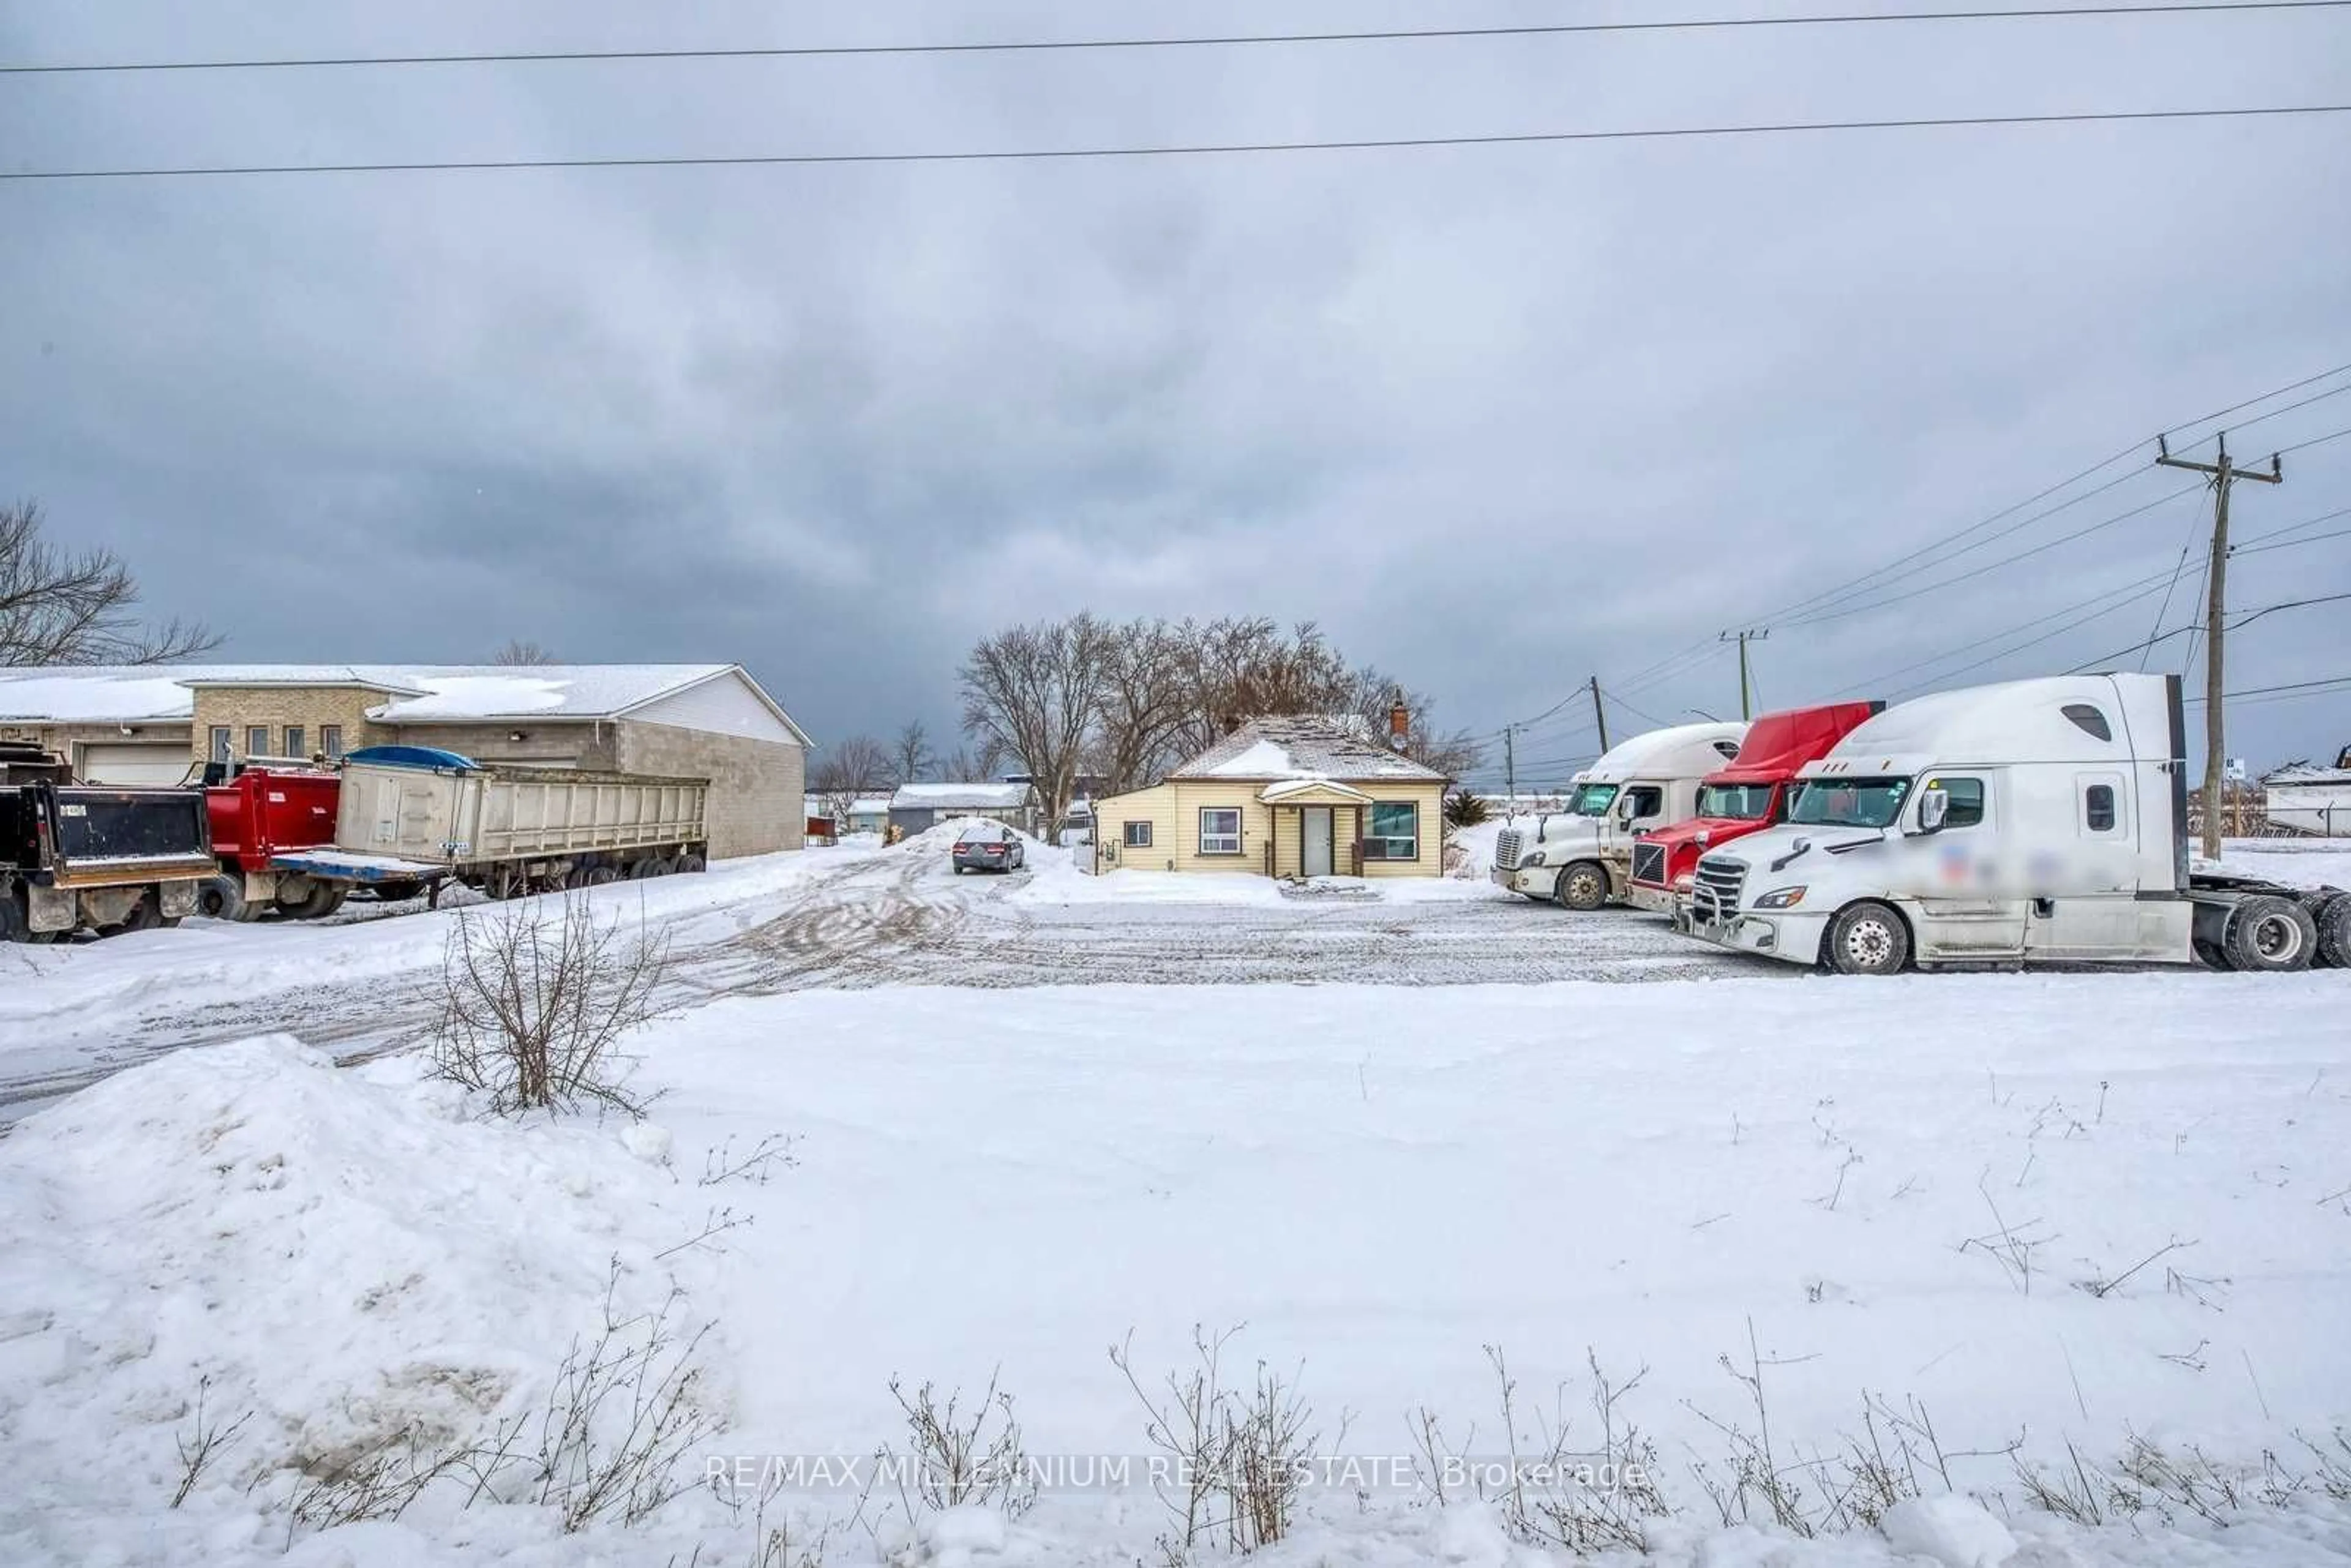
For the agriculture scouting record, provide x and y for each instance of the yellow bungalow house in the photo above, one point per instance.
(1299, 794)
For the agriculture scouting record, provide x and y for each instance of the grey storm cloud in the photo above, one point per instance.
(1498, 418)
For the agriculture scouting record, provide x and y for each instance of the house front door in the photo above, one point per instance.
(1315, 841)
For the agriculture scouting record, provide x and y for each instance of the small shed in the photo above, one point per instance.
(918, 808)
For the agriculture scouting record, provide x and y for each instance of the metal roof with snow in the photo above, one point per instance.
(960, 796)
(1302, 746)
(416, 693)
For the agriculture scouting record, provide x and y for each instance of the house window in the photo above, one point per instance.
(1220, 831)
(256, 740)
(294, 738)
(1138, 835)
(1392, 831)
(2098, 807)
(219, 746)
(331, 741)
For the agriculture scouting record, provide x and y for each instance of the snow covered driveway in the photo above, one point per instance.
(844, 919)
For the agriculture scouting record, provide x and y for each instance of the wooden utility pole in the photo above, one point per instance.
(1746, 687)
(2223, 474)
(1510, 766)
(1599, 715)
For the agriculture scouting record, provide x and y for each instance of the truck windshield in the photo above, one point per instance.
(1745, 803)
(1851, 802)
(1592, 800)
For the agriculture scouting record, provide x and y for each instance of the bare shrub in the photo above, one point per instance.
(755, 1166)
(201, 1442)
(377, 1481)
(963, 1457)
(623, 1414)
(1238, 1458)
(536, 1001)
(1585, 1498)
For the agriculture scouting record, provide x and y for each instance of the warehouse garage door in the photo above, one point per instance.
(133, 763)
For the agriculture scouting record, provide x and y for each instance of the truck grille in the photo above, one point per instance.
(1649, 864)
(1719, 882)
(1506, 849)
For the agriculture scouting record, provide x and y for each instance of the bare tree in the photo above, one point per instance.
(64, 606)
(1036, 691)
(851, 767)
(1147, 696)
(522, 651)
(912, 757)
(964, 764)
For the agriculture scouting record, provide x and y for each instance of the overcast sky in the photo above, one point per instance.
(1498, 418)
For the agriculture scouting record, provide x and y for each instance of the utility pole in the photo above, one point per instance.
(1511, 766)
(2223, 474)
(1599, 716)
(1746, 688)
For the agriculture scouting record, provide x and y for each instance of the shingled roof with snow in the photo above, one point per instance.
(1302, 746)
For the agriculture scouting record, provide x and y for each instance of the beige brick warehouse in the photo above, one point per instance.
(149, 725)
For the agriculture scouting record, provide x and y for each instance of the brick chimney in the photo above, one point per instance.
(1399, 725)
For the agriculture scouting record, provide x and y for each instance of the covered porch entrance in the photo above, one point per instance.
(1317, 828)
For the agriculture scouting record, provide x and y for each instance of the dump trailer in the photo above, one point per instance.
(260, 809)
(94, 857)
(413, 818)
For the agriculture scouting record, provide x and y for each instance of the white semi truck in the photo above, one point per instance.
(1580, 858)
(2034, 820)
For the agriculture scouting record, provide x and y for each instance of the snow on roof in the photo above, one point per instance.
(869, 806)
(418, 693)
(960, 796)
(1302, 746)
(98, 695)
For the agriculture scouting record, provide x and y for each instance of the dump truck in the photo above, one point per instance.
(412, 819)
(259, 809)
(94, 857)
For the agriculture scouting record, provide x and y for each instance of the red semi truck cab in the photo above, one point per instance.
(262, 812)
(1746, 797)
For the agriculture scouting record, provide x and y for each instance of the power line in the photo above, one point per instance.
(1043, 46)
(1844, 590)
(2005, 561)
(1187, 150)
(2328, 681)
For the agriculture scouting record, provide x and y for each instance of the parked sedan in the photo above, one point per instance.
(990, 846)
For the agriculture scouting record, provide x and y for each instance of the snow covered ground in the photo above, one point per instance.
(2042, 1210)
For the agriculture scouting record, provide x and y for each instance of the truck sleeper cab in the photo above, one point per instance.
(1750, 795)
(1582, 858)
(2032, 821)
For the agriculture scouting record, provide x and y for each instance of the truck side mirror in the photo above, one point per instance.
(1624, 807)
(1933, 807)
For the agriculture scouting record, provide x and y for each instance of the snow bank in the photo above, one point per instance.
(332, 1258)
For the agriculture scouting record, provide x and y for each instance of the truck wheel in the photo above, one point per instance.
(1868, 939)
(690, 862)
(598, 877)
(2268, 934)
(2334, 932)
(397, 892)
(324, 900)
(1581, 886)
(222, 897)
